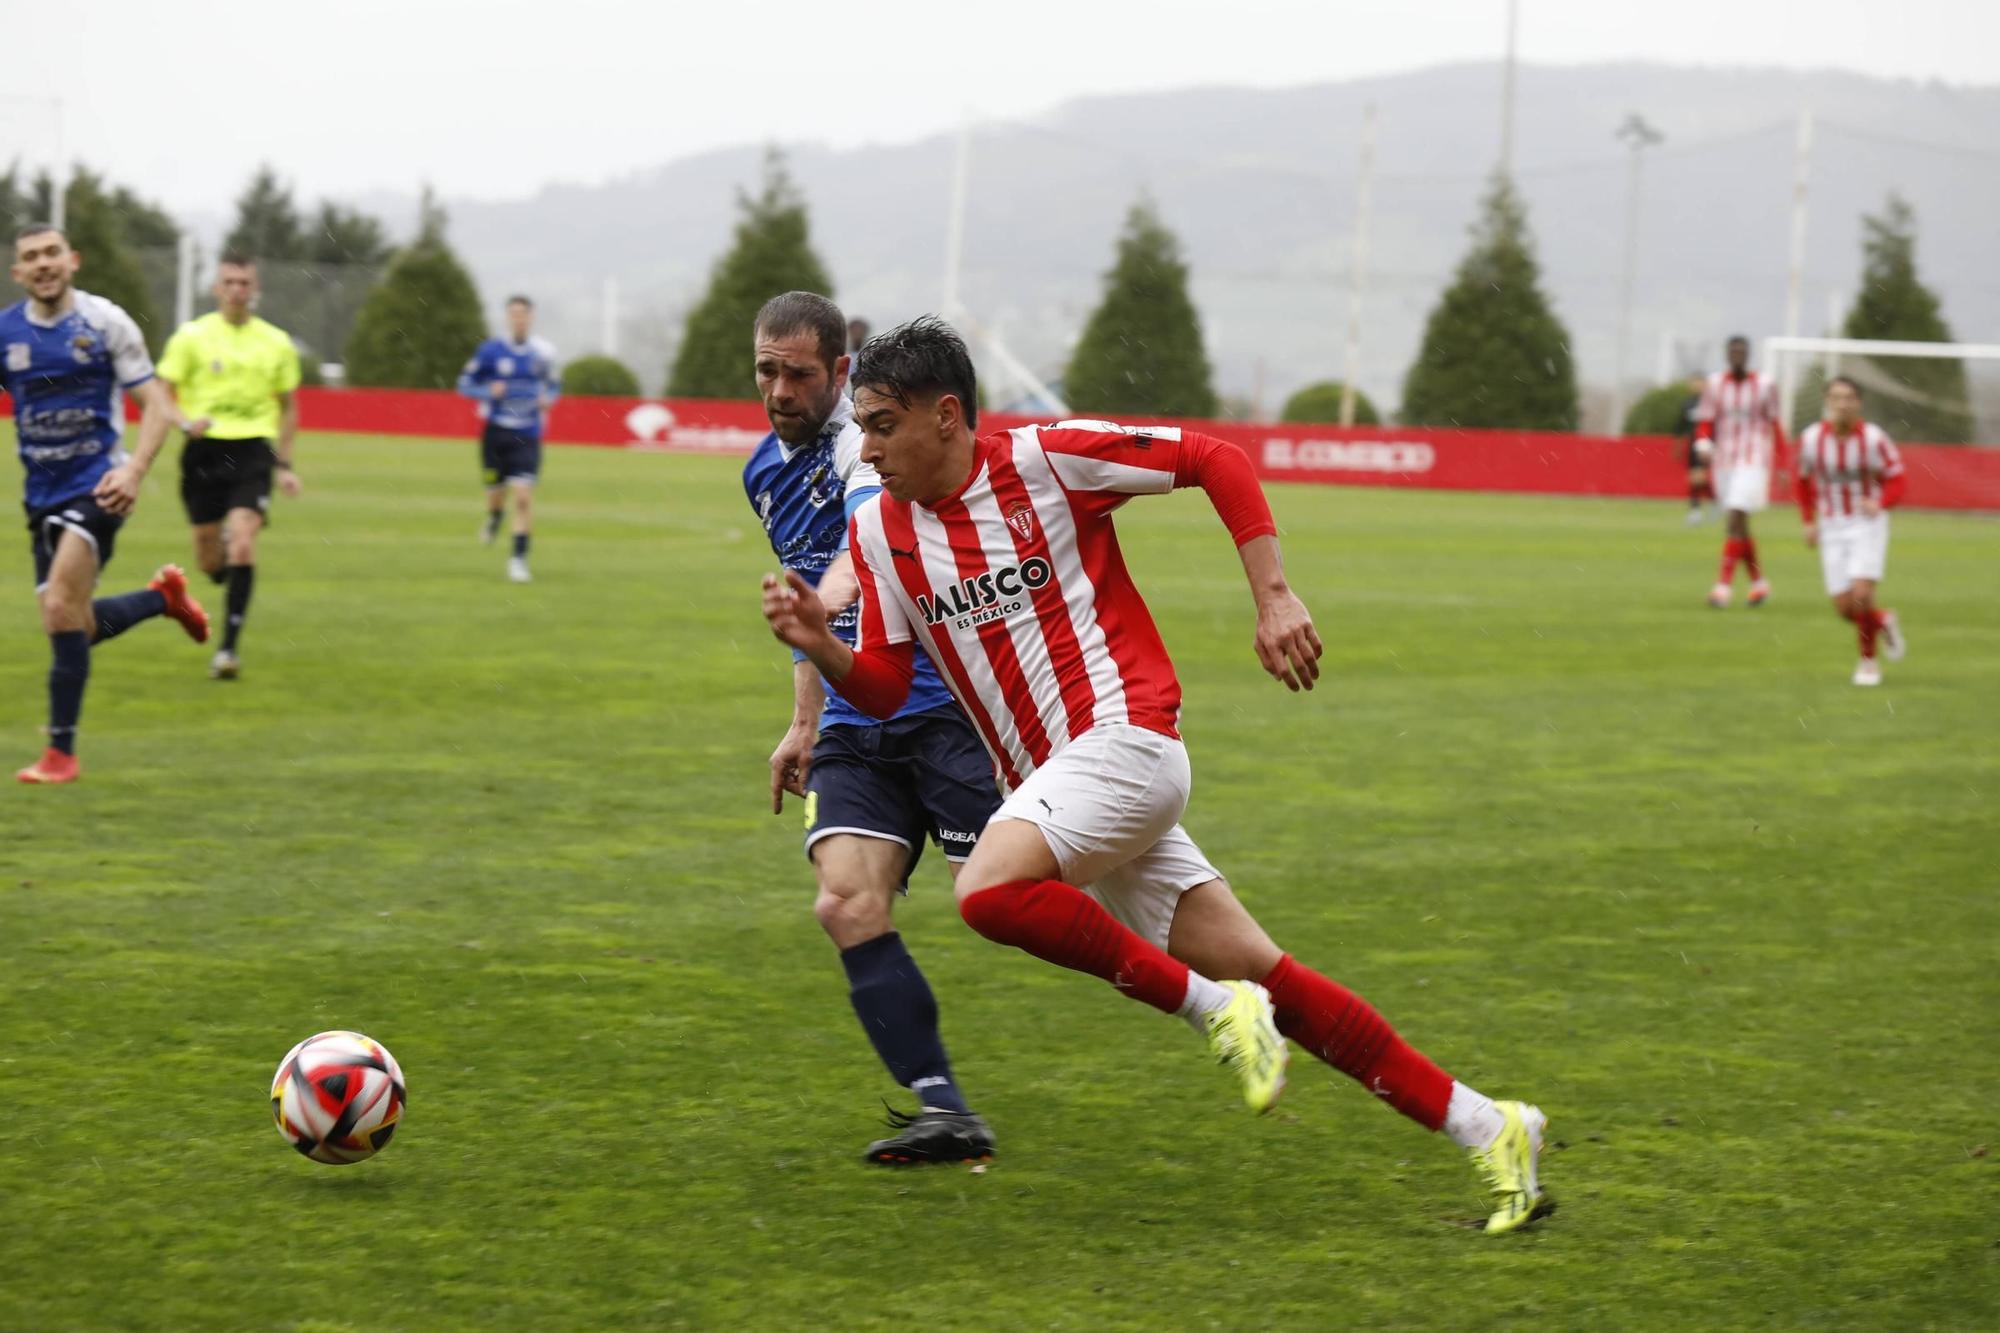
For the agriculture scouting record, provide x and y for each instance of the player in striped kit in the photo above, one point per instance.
(1850, 476)
(997, 553)
(1740, 417)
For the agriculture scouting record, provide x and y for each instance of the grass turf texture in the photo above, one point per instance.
(1729, 919)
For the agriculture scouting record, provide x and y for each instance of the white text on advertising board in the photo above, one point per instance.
(1349, 455)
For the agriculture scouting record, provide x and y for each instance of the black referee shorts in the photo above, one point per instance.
(220, 475)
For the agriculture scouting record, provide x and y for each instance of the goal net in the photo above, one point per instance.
(1920, 392)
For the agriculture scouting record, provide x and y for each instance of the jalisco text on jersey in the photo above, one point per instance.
(980, 591)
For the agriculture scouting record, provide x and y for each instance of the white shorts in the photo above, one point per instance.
(1109, 806)
(1747, 488)
(1852, 548)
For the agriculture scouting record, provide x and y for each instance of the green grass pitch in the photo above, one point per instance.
(1731, 921)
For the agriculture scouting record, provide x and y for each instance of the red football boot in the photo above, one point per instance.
(172, 584)
(54, 766)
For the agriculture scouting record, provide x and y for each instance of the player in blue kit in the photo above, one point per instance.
(514, 378)
(873, 790)
(65, 355)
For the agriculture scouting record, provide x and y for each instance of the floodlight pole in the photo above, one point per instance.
(1507, 91)
(1795, 278)
(184, 276)
(954, 232)
(1358, 282)
(59, 193)
(1640, 136)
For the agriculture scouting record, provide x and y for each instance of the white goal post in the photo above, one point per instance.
(1784, 357)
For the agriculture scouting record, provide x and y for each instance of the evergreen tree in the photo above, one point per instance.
(422, 320)
(339, 235)
(1141, 351)
(1320, 404)
(1494, 354)
(599, 377)
(267, 221)
(115, 231)
(1658, 411)
(1918, 400)
(146, 225)
(772, 254)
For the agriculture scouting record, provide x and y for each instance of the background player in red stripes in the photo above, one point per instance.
(1740, 415)
(998, 554)
(1850, 476)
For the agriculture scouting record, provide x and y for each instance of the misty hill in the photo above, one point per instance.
(1260, 185)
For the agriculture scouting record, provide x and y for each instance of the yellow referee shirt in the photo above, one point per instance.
(231, 374)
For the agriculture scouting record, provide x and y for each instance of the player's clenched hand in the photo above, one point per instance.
(118, 490)
(289, 483)
(1287, 644)
(794, 611)
(1812, 534)
(789, 763)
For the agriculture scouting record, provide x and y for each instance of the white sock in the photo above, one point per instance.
(1472, 1120)
(1204, 997)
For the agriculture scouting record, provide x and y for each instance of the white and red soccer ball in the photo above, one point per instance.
(337, 1097)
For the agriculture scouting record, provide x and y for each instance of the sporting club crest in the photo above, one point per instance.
(1021, 518)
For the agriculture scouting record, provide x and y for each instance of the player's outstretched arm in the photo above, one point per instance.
(876, 681)
(118, 490)
(1287, 643)
(288, 431)
(793, 756)
(839, 585)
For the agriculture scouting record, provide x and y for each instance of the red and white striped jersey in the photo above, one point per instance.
(1743, 417)
(1847, 470)
(1016, 587)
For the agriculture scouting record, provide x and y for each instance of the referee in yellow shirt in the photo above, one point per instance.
(233, 375)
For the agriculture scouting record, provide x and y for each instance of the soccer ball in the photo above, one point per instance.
(337, 1097)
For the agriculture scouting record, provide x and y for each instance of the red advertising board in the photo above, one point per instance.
(1540, 463)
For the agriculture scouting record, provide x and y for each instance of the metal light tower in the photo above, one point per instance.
(1639, 136)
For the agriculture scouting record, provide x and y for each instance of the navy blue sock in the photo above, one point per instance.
(241, 579)
(67, 676)
(899, 1014)
(520, 546)
(117, 614)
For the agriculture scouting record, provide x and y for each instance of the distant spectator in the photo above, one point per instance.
(857, 333)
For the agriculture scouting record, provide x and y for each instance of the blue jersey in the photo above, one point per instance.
(65, 378)
(527, 369)
(804, 497)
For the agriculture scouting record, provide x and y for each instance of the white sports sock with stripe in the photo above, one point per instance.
(1204, 997)
(1472, 1120)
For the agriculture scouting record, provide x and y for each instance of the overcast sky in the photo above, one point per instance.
(497, 98)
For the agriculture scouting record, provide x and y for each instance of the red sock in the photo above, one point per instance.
(1344, 1030)
(1868, 624)
(1750, 559)
(1061, 924)
(1732, 550)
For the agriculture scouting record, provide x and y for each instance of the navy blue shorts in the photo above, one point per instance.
(910, 778)
(82, 516)
(508, 455)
